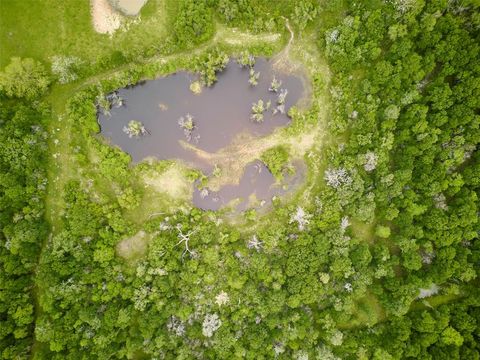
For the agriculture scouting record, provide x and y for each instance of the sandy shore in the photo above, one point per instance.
(105, 19)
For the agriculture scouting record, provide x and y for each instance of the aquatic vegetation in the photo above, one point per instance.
(258, 109)
(275, 85)
(276, 159)
(282, 96)
(187, 124)
(246, 59)
(253, 77)
(135, 129)
(196, 87)
(210, 64)
(103, 104)
(115, 100)
(217, 171)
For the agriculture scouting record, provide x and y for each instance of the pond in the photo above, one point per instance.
(219, 114)
(255, 189)
(128, 7)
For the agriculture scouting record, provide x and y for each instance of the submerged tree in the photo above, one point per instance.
(258, 109)
(187, 124)
(209, 64)
(135, 128)
(196, 87)
(115, 100)
(254, 76)
(282, 96)
(275, 85)
(280, 108)
(246, 59)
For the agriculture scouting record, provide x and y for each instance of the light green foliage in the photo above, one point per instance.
(276, 159)
(134, 129)
(246, 59)
(209, 64)
(382, 231)
(305, 11)
(128, 199)
(24, 78)
(258, 109)
(450, 336)
(42, 30)
(253, 77)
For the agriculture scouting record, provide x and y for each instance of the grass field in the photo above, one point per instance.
(42, 29)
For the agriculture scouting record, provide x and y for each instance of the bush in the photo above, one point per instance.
(24, 78)
(276, 160)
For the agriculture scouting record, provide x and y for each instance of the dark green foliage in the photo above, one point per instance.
(22, 226)
(193, 22)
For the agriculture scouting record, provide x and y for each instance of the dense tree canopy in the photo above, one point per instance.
(24, 78)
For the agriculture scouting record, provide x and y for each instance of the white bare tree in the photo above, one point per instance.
(211, 323)
(301, 217)
(337, 177)
(370, 161)
(185, 238)
(255, 243)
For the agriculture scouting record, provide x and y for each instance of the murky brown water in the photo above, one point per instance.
(256, 189)
(219, 114)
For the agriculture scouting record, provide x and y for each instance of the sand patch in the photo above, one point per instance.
(105, 19)
(133, 247)
(171, 182)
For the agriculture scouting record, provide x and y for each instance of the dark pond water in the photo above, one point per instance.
(219, 114)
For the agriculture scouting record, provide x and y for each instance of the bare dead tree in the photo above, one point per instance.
(185, 238)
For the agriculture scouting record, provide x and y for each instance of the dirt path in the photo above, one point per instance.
(282, 61)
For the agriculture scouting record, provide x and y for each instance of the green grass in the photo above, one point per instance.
(42, 29)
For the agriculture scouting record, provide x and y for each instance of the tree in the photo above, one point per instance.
(382, 231)
(450, 336)
(24, 78)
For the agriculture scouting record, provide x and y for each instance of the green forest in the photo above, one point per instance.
(375, 255)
